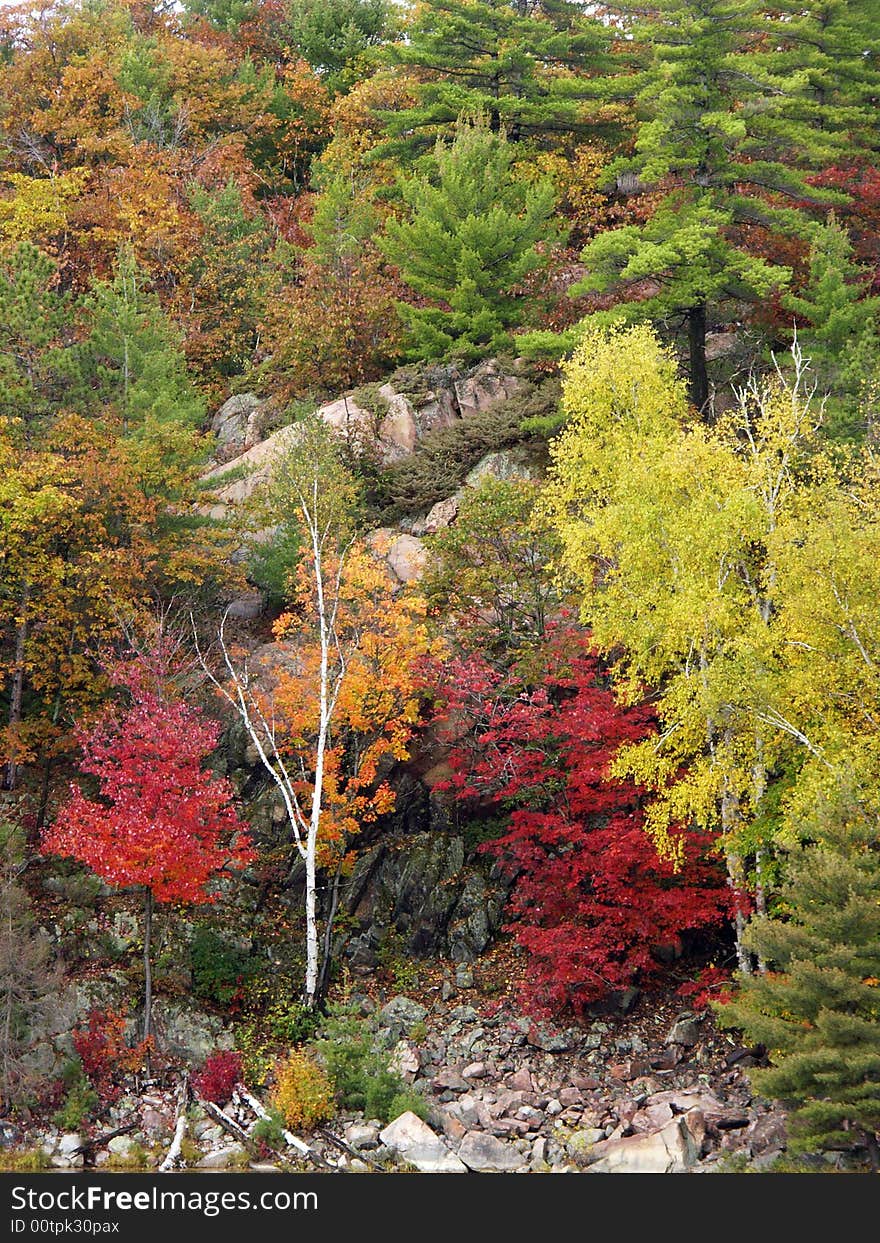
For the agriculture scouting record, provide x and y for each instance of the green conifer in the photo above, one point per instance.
(841, 337)
(473, 233)
(817, 1007)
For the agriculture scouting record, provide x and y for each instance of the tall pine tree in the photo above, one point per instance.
(522, 64)
(728, 139)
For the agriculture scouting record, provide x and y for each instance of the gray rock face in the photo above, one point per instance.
(420, 891)
(188, 1033)
(236, 425)
(418, 1145)
(485, 1154)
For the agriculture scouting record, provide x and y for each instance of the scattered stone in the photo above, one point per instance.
(223, 1158)
(464, 977)
(362, 1135)
(476, 1070)
(686, 1030)
(487, 1155)
(580, 1144)
(669, 1151)
(121, 1145)
(540, 1036)
(414, 1141)
(401, 1014)
(405, 1061)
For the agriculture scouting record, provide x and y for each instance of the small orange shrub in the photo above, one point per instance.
(303, 1094)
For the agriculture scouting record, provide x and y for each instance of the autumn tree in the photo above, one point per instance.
(592, 899)
(680, 539)
(474, 230)
(334, 325)
(162, 821)
(341, 700)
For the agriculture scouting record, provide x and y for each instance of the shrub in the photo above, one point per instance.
(437, 468)
(269, 1131)
(104, 1054)
(80, 1101)
(219, 1075)
(359, 1072)
(303, 1095)
(219, 968)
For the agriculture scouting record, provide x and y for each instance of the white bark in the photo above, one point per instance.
(172, 1157)
(325, 540)
(290, 1139)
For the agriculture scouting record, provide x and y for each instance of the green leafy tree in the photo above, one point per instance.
(817, 1006)
(474, 231)
(488, 572)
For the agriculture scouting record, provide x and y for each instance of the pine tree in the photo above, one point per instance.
(475, 230)
(841, 337)
(523, 65)
(817, 1008)
(33, 361)
(729, 140)
(134, 355)
(30, 982)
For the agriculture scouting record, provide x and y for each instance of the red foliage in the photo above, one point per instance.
(219, 1075)
(861, 181)
(591, 895)
(712, 984)
(104, 1053)
(162, 821)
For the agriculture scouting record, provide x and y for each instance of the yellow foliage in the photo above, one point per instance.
(36, 209)
(303, 1094)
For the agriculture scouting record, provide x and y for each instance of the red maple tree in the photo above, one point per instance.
(161, 820)
(592, 900)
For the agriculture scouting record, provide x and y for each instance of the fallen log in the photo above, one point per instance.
(292, 1141)
(172, 1157)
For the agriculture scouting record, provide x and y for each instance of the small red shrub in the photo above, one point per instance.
(219, 1075)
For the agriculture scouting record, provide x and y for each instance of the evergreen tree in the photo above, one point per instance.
(817, 1007)
(842, 334)
(729, 140)
(133, 355)
(522, 64)
(333, 34)
(475, 230)
(33, 361)
(825, 60)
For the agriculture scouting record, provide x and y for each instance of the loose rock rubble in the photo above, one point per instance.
(665, 1094)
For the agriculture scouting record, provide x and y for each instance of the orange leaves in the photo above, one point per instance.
(383, 637)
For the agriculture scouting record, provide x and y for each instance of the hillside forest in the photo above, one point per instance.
(439, 578)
